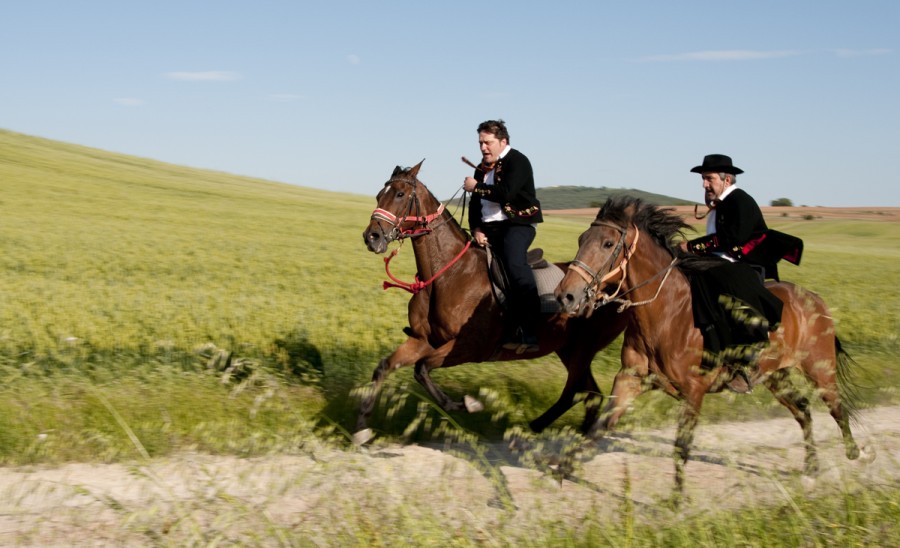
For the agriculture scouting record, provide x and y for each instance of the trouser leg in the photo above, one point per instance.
(525, 306)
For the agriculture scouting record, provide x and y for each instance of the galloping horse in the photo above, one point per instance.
(631, 248)
(454, 317)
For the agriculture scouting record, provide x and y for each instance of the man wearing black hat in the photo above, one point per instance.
(732, 307)
(735, 220)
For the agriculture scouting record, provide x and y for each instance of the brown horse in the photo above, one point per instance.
(631, 251)
(454, 317)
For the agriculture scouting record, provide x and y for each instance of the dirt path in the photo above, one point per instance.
(198, 498)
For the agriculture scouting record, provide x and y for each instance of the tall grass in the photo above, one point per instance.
(149, 309)
(119, 274)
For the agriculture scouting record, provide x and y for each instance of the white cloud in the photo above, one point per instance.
(285, 97)
(204, 76)
(129, 101)
(353, 59)
(723, 55)
(845, 53)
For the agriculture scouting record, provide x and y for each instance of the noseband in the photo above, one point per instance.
(421, 224)
(607, 272)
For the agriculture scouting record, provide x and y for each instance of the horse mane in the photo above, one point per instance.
(661, 224)
(664, 225)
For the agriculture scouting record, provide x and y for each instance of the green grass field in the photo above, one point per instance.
(125, 281)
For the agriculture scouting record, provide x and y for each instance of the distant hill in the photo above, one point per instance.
(574, 197)
(578, 197)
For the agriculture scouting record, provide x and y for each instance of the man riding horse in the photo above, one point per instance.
(504, 213)
(732, 307)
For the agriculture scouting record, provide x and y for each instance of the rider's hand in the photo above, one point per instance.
(480, 238)
(469, 184)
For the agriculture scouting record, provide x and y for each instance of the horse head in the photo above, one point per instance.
(607, 246)
(405, 208)
(601, 261)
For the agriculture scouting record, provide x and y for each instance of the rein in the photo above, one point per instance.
(625, 303)
(421, 225)
(418, 285)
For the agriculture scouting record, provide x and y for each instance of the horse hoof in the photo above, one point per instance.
(473, 405)
(866, 454)
(363, 437)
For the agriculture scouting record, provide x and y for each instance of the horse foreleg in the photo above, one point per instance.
(786, 393)
(407, 353)
(626, 387)
(576, 382)
(370, 394)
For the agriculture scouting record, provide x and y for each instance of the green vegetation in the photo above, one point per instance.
(573, 197)
(151, 308)
(781, 202)
(578, 197)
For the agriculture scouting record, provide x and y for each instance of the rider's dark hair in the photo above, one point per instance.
(497, 128)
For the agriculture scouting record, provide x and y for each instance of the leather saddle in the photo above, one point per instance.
(546, 274)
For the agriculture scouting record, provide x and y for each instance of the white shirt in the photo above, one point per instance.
(711, 221)
(491, 211)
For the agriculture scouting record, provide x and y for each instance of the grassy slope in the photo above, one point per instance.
(118, 264)
(114, 269)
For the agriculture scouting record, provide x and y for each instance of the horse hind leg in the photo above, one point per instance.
(579, 380)
(592, 403)
(837, 394)
(787, 395)
(440, 397)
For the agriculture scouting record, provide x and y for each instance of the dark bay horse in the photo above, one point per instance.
(454, 318)
(629, 259)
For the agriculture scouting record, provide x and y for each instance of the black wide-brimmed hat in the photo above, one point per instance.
(717, 163)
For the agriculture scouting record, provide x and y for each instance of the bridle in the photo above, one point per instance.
(607, 272)
(421, 225)
(594, 280)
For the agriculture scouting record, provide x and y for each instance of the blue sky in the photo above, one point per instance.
(802, 94)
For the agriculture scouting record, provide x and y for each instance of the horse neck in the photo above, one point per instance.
(649, 264)
(436, 249)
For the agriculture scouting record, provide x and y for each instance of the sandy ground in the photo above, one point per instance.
(195, 498)
(886, 214)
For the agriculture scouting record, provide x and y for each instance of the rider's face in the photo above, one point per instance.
(491, 147)
(713, 186)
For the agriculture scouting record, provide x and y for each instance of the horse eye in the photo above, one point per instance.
(607, 244)
(400, 194)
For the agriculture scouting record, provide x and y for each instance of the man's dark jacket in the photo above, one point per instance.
(513, 189)
(742, 234)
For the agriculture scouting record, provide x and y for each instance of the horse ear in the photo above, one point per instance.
(397, 170)
(414, 171)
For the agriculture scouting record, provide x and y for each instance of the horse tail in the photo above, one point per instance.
(847, 389)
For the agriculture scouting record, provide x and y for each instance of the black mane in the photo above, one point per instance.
(661, 224)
